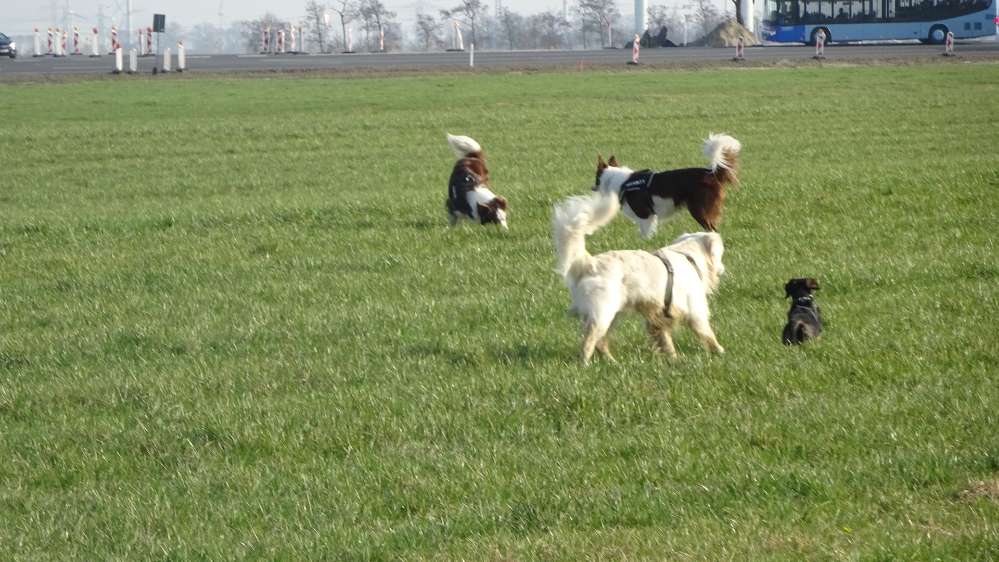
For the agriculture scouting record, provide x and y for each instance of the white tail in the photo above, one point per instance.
(721, 151)
(573, 220)
(462, 146)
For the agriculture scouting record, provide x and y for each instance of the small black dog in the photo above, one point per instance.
(803, 320)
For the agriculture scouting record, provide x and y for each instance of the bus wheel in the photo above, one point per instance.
(937, 35)
(815, 33)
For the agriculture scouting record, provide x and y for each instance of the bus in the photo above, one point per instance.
(799, 21)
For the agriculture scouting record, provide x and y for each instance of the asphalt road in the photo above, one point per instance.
(26, 66)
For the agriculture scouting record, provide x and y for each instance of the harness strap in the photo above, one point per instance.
(668, 299)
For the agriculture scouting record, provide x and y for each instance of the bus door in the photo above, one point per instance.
(887, 10)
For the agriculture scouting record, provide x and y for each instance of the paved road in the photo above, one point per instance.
(82, 65)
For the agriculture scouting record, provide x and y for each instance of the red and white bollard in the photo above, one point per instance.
(292, 40)
(149, 42)
(949, 45)
(63, 45)
(114, 39)
(381, 40)
(50, 43)
(267, 41)
(117, 62)
(820, 45)
(740, 51)
(76, 41)
(636, 46)
(95, 43)
(280, 41)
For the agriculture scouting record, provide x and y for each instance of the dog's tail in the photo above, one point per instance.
(723, 156)
(464, 146)
(573, 220)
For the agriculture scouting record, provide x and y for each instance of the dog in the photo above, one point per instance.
(804, 321)
(468, 196)
(666, 287)
(648, 196)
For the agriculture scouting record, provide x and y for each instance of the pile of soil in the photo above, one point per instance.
(726, 35)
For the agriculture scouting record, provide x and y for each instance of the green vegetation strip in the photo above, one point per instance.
(233, 323)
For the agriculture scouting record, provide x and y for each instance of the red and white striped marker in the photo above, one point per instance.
(740, 50)
(63, 45)
(76, 41)
(114, 39)
(949, 44)
(636, 46)
(292, 39)
(149, 41)
(50, 42)
(95, 44)
(280, 41)
(820, 45)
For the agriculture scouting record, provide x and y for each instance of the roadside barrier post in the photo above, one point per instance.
(142, 43)
(38, 44)
(293, 40)
(636, 46)
(471, 55)
(350, 41)
(114, 39)
(949, 45)
(133, 61)
(76, 41)
(50, 43)
(166, 60)
(117, 62)
(149, 42)
(181, 57)
(740, 51)
(820, 45)
(95, 44)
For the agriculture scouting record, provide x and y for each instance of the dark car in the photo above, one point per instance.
(8, 46)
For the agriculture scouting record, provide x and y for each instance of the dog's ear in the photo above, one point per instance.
(498, 203)
(600, 162)
(812, 284)
(613, 162)
(787, 288)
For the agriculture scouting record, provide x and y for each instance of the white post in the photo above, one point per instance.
(740, 49)
(636, 45)
(166, 60)
(949, 44)
(350, 41)
(292, 40)
(381, 39)
(76, 41)
(610, 36)
(95, 44)
(181, 57)
(38, 44)
(133, 61)
(459, 41)
(142, 44)
(471, 55)
(117, 62)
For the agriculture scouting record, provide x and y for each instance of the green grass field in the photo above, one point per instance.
(234, 325)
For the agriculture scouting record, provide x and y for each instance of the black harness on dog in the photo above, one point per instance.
(636, 190)
(807, 303)
(668, 299)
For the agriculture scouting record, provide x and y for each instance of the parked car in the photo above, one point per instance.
(8, 46)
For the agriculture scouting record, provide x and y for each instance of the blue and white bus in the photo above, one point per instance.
(790, 21)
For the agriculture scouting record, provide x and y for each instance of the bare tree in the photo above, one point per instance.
(347, 10)
(251, 30)
(315, 14)
(426, 30)
(470, 11)
(547, 29)
(706, 15)
(510, 24)
(602, 12)
(375, 16)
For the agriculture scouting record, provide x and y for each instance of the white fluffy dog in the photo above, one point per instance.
(608, 283)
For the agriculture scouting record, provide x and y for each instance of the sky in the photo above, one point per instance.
(20, 16)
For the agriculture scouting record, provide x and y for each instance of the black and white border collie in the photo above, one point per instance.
(467, 194)
(647, 196)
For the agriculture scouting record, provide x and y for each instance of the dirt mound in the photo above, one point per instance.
(727, 34)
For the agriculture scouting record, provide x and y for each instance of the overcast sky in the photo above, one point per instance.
(20, 16)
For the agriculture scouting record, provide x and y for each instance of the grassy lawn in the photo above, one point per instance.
(234, 325)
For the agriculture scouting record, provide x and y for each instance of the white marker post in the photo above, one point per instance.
(471, 55)
(820, 45)
(95, 44)
(142, 43)
(76, 41)
(350, 41)
(114, 39)
(636, 46)
(280, 42)
(117, 62)
(740, 51)
(133, 61)
(949, 45)
(38, 44)
(166, 60)
(181, 57)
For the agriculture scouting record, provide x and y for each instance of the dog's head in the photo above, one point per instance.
(801, 287)
(493, 212)
(706, 249)
(601, 168)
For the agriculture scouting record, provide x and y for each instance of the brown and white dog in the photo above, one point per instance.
(467, 193)
(666, 287)
(647, 196)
